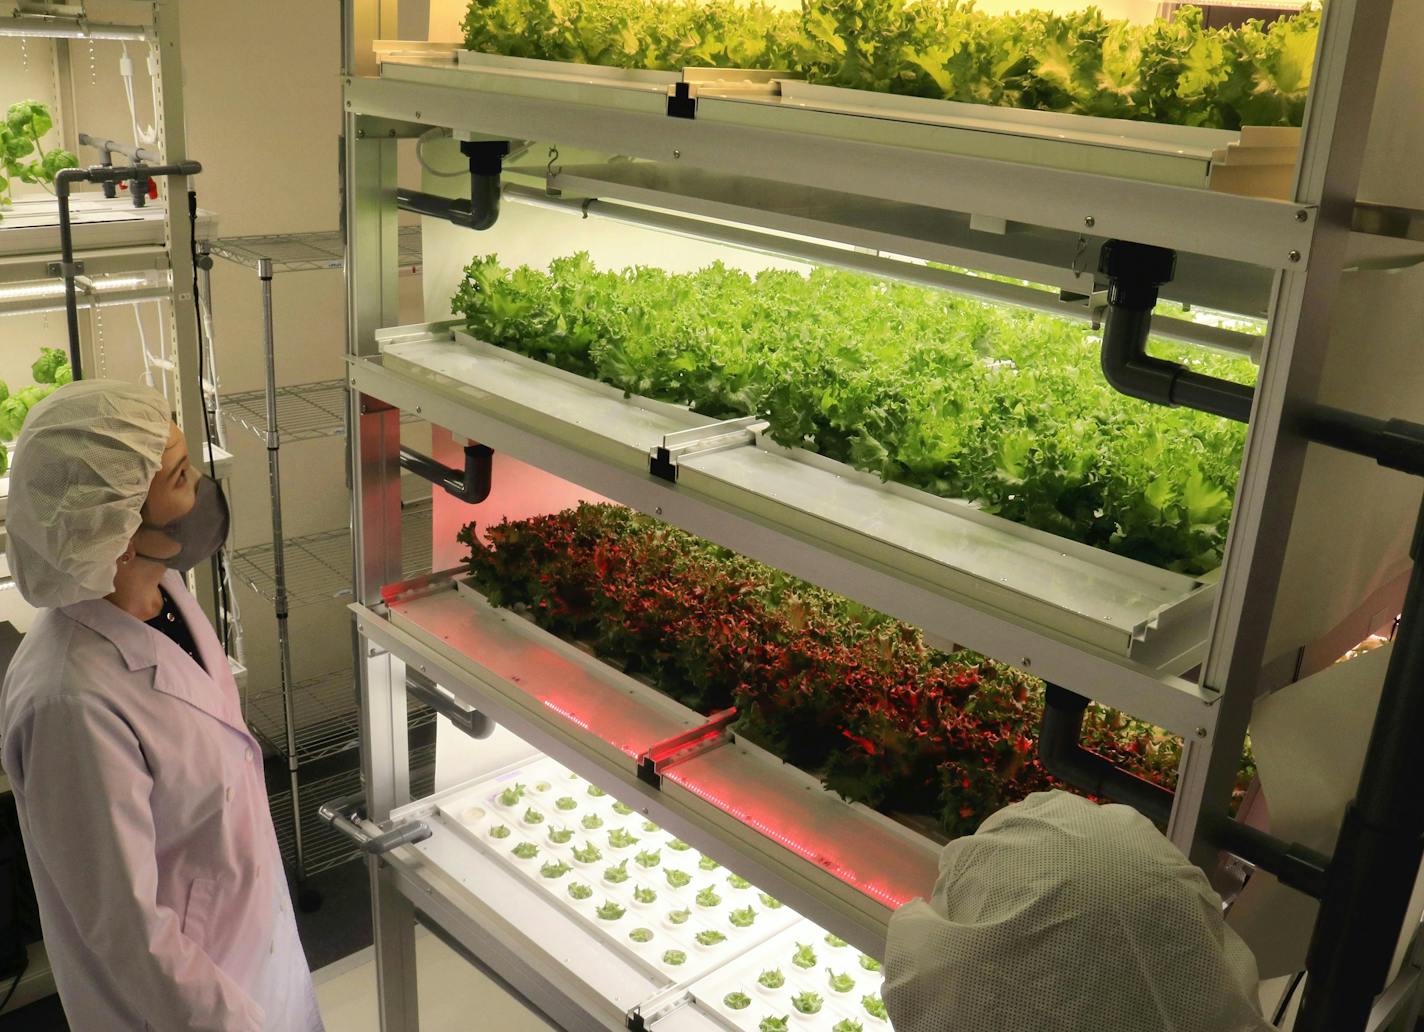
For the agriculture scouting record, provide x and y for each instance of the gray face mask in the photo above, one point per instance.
(199, 533)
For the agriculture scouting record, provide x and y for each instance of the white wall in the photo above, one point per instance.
(263, 116)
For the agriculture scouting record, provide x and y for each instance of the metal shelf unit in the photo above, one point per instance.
(327, 716)
(305, 411)
(313, 569)
(317, 567)
(861, 175)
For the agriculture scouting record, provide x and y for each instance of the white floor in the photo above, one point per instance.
(451, 991)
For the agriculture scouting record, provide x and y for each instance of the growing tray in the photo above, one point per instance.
(1059, 588)
(840, 863)
(1164, 154)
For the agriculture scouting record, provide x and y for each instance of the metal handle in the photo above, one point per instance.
(342, 814)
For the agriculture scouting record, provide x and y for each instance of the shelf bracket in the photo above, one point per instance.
(468, 719)
(680, 748)
(342, 814)
(730, 433)
(682, 100)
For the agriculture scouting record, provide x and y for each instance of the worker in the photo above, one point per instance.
(1061, 915)
(140, 792)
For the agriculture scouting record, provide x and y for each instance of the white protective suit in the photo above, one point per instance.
(140, 792)
(1060, 915)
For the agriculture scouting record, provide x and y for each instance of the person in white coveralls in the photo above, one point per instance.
(140, 791)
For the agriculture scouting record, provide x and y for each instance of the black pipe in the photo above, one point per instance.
(67, 268)
(1062, 756)
(481, 211)
(1381, 843)
(1293, 864)
(472, 485)
(1394, 443)
(1135, 272)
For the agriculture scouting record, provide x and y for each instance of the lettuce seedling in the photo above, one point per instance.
(711, 937)
(807, 1003)
(772, 979)
(743, 917)
(708, 898)
(610, 911)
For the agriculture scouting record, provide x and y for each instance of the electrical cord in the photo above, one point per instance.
(219, 588)
(1284, 1005)
(464, 170)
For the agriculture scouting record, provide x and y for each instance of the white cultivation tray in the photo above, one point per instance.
(710, 993)
(477, 811)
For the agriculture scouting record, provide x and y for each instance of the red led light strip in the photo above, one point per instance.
(894, 900)
(584, 725)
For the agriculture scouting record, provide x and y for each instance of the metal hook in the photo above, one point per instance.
(551, 170)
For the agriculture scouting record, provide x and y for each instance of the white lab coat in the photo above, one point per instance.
(145, 819)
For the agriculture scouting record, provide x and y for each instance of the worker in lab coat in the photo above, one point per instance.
(1060, 915)
(140, 792)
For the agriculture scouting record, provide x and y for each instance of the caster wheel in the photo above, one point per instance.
(308, 900)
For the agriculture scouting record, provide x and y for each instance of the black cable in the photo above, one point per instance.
(24, 966)
(1281, 1007)
(220, 609)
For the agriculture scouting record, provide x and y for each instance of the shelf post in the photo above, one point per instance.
(372, 249)
(1336, 130)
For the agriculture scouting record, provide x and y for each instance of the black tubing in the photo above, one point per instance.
(1135, 272)
(471, 486)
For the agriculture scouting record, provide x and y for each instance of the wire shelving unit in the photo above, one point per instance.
(315, 718)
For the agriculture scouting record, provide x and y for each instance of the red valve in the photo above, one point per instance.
(153, 189)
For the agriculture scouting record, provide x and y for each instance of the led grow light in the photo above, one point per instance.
(42, 27)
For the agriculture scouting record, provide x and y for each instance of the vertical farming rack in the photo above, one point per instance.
(1003, 195)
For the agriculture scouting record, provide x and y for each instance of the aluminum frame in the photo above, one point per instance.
(1304, 242)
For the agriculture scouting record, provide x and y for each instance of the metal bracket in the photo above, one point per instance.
(730, 433)
(682, 100)
(342, 814)
(57, 268)
(679, 748)
(468, 719)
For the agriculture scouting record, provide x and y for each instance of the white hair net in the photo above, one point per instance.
(83, 465)
(1062, 914)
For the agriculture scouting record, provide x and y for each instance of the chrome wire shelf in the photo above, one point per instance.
(327, 716)
(324, 847)
(318, 566)
(308, 252)
(305, 411)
